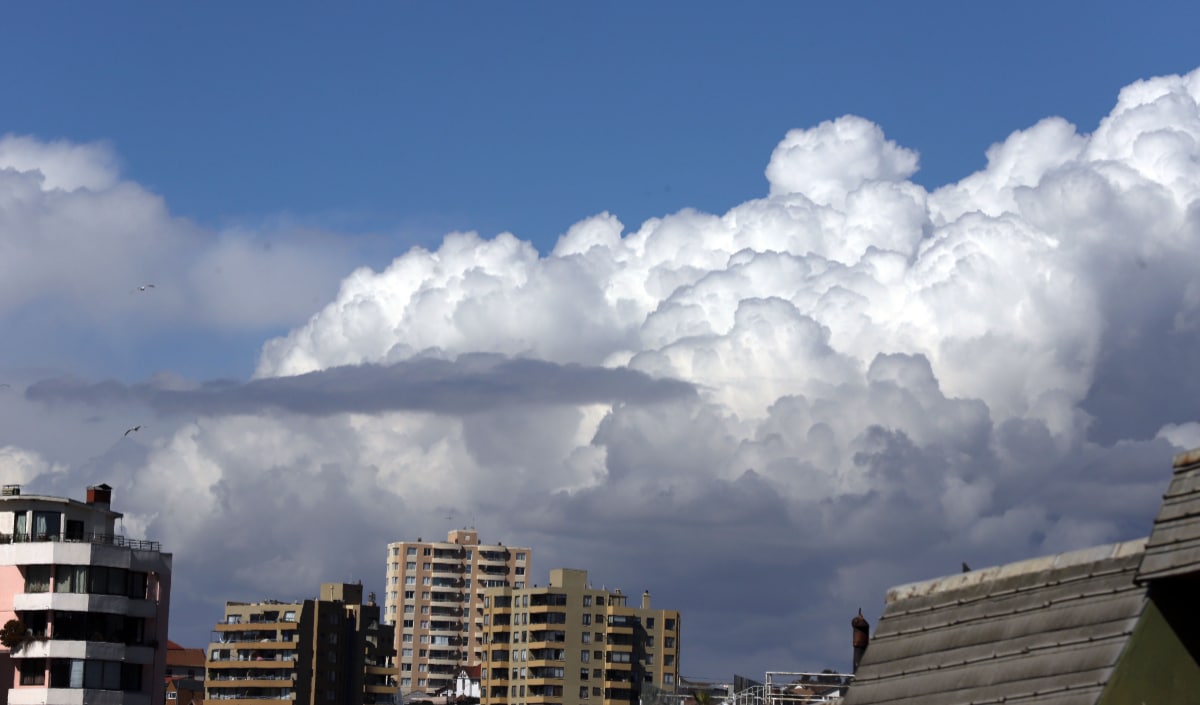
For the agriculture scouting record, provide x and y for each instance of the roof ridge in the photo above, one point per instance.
(1094, 554)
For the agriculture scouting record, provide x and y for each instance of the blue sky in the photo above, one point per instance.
(893, 286)
(405, 120)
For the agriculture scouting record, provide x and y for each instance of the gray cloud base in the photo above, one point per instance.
(470, 384)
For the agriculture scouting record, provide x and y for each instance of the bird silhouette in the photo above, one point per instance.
(143, 287)
(131, 430)
(966, 568)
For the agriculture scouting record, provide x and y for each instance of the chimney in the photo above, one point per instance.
(99, 495)
(646, 600)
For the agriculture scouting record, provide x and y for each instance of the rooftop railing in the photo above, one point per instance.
(93, 538)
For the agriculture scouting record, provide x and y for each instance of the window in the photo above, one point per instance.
(37, 578)
(587, 619)
(520, 570)
(599, 600)
(668, 678)
(596, 692)
(410, 580)
(32, 671)
(649, 622)
(670, 625)
(583, 690)
(520, 555)
(668, 659)
(395, 550)
(289, 616)
(411, 565)
(668, 642)
(71, 578)
(584, 656)
(412, 551)
(172, 695)
(426, 566)
(587, 637)
(587, 600)
(46, 525)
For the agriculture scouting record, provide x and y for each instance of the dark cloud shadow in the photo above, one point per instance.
(469, 384)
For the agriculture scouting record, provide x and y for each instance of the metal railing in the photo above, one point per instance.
(93, 538)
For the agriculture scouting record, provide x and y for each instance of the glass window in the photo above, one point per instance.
(46, 525)
(71, 578)
(37, 578)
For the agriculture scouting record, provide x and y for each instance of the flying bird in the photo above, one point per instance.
(131, 430)
(143, 287)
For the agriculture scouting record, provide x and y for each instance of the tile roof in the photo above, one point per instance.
(1043, 630)
(1174, 545)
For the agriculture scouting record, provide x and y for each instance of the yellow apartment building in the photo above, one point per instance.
(569, 644)
(434, 598)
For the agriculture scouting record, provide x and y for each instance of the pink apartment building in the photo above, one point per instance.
(83, 610)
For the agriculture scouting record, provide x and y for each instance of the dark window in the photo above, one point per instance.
(74, 530)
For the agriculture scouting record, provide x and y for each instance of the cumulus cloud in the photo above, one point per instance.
(76, 238)
(872, 383)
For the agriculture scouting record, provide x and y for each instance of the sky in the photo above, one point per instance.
(762, 308)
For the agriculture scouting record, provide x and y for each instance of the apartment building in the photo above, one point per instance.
(569, 644)
(332, 650)
(435, 599)
(84, 609)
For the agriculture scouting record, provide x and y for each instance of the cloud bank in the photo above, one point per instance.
(887, 381)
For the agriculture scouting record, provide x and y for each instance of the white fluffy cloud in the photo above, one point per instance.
(76, 239)
(891, 381)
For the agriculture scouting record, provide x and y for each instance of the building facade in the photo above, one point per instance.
(332, 650)
(84, 610)
(569, 644)
(435, 599)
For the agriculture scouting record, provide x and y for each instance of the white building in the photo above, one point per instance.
(83, 611)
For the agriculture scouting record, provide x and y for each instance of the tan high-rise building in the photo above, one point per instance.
(569, 644)
(435, 600)
(329, 651)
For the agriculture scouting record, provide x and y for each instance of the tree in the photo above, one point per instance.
(13, 634)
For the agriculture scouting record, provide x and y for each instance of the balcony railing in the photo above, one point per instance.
(72, 537)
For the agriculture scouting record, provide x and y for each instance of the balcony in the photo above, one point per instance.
(92, 538)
